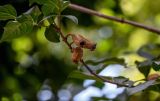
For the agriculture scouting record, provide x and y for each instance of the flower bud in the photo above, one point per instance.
(77, 54)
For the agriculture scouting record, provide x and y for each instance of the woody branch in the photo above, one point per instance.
(121, 20)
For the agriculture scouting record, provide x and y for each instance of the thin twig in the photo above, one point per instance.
(101, 78)
(121, 20)
(63, 37)
(86, 66)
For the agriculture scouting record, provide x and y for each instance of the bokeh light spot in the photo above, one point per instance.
(45, 95)
(64, 95)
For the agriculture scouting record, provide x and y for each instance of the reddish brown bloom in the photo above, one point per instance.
(77, 54)
(80, 41)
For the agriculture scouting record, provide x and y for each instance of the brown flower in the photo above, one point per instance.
(77, 54)
(80, 41)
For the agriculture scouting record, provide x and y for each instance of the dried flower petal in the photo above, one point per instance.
(77, 54)
(80, 41)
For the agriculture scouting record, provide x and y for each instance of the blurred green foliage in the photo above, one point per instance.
(30, 63)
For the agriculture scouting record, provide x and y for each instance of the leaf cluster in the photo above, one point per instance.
(33, 19)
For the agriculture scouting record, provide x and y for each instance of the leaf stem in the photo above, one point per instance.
(63, 37)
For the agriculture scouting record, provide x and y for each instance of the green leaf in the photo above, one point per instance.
(72, 18)
(83, 76)
(34, 12)
(106, 60)
(140, 87)
(7, 12)
(48, 18)
(14, 29)
(149, 51)
(65, 5)
(48, 6)
(26, 24)
(11, 30)
(156, 65)
(51, 34)
(49, 9)
(38, 1)
(144, 67)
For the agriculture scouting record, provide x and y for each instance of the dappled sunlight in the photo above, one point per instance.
(64, 95)
(111, 90)
(152, 71)
(103, 46)
(132, 58)
(79, 50)
(40, 35)
(131, 71)
(86, 94)
(157, 20)
(5, 99)
(108, 90)
(138, 38)
(22, 44)
(17, 97)
(133, 74)
(131, 7)
(24, 59)
(45, 93)
(99, 20)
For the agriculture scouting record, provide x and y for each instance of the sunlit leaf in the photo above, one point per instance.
(15, 29)
(140, 87)
(72, 18)
(7, 12)
(51, 34)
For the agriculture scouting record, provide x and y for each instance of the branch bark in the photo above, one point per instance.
(121, 20)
